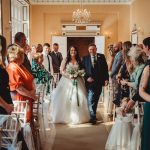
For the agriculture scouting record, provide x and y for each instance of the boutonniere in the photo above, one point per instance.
(98, 56)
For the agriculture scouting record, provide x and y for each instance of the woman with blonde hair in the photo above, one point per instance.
(21, 81)
(138, 59)
(6, 105)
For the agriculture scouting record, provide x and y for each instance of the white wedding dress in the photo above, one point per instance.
(69, 103)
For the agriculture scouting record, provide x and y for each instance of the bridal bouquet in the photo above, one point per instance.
(73, 72)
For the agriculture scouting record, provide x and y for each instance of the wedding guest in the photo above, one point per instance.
(6, 104)
(56, 58)
(29, 52)
(48, 47)
(123, 72)
(41, 75)
(118, 61)
(20, 40)
(39, 48)
(47, 60)
(110, 57)
(137, 57)
(144, 91)
(21, 80)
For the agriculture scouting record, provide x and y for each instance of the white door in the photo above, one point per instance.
(62, 41)
(100, 44)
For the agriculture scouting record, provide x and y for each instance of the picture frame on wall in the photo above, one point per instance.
(134, 37)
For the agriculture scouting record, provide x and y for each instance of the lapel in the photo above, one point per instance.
(89, 64)
(98, 59)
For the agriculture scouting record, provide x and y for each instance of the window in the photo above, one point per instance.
(20, 17)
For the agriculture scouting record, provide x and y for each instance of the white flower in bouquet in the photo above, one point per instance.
(74, 72)
(81, 73)
(71, 71)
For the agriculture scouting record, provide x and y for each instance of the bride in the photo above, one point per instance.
(69, 100)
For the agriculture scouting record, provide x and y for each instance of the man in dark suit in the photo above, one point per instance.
(96, 69)
(56, 58)
(20, 40)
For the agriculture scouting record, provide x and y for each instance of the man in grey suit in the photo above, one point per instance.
(56, 58)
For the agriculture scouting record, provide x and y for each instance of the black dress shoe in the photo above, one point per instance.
(116, 102)
(92, 121)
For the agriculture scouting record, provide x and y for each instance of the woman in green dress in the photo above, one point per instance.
(144, 91)
(41, 75)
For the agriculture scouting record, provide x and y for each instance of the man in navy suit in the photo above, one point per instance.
(96, 69)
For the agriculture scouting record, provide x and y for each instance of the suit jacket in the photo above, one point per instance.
(118, 60)
(26, 63)
(99, 73)
(56, 61)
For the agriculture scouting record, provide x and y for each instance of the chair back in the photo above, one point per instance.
(20, 110)
(9, 128)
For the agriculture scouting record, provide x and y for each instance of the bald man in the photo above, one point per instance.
(118, 61)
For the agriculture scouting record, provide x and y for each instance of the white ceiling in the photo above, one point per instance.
(79, 1)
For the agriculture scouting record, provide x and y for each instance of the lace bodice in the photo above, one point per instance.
(73, 66)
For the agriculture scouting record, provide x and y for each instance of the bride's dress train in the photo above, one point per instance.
(69, 103)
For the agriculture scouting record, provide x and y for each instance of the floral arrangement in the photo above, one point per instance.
(74, 72)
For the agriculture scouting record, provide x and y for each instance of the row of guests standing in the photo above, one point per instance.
(132, 63)
(20, 75)
(51, 60)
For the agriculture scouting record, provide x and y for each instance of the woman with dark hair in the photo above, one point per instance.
(6, 104)
(69, 100)
(77, 57)
(144, 91)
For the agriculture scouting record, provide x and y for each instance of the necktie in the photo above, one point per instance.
(93, 61)
(48, 63)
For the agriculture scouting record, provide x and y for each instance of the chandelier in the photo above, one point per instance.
(81, 16)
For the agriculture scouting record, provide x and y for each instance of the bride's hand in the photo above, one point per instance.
(90, 80)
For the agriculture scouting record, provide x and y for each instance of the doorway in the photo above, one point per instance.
(81, 43)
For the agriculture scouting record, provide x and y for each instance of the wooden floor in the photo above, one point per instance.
(73, 137)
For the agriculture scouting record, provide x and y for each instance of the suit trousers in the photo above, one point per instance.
(93, 98)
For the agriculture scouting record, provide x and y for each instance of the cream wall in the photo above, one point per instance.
(46, 20)
(6, 29)
(140, 13)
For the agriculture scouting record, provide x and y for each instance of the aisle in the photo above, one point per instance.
(72, 137)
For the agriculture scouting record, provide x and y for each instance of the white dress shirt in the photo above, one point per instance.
(92, 59)
(46, 63)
